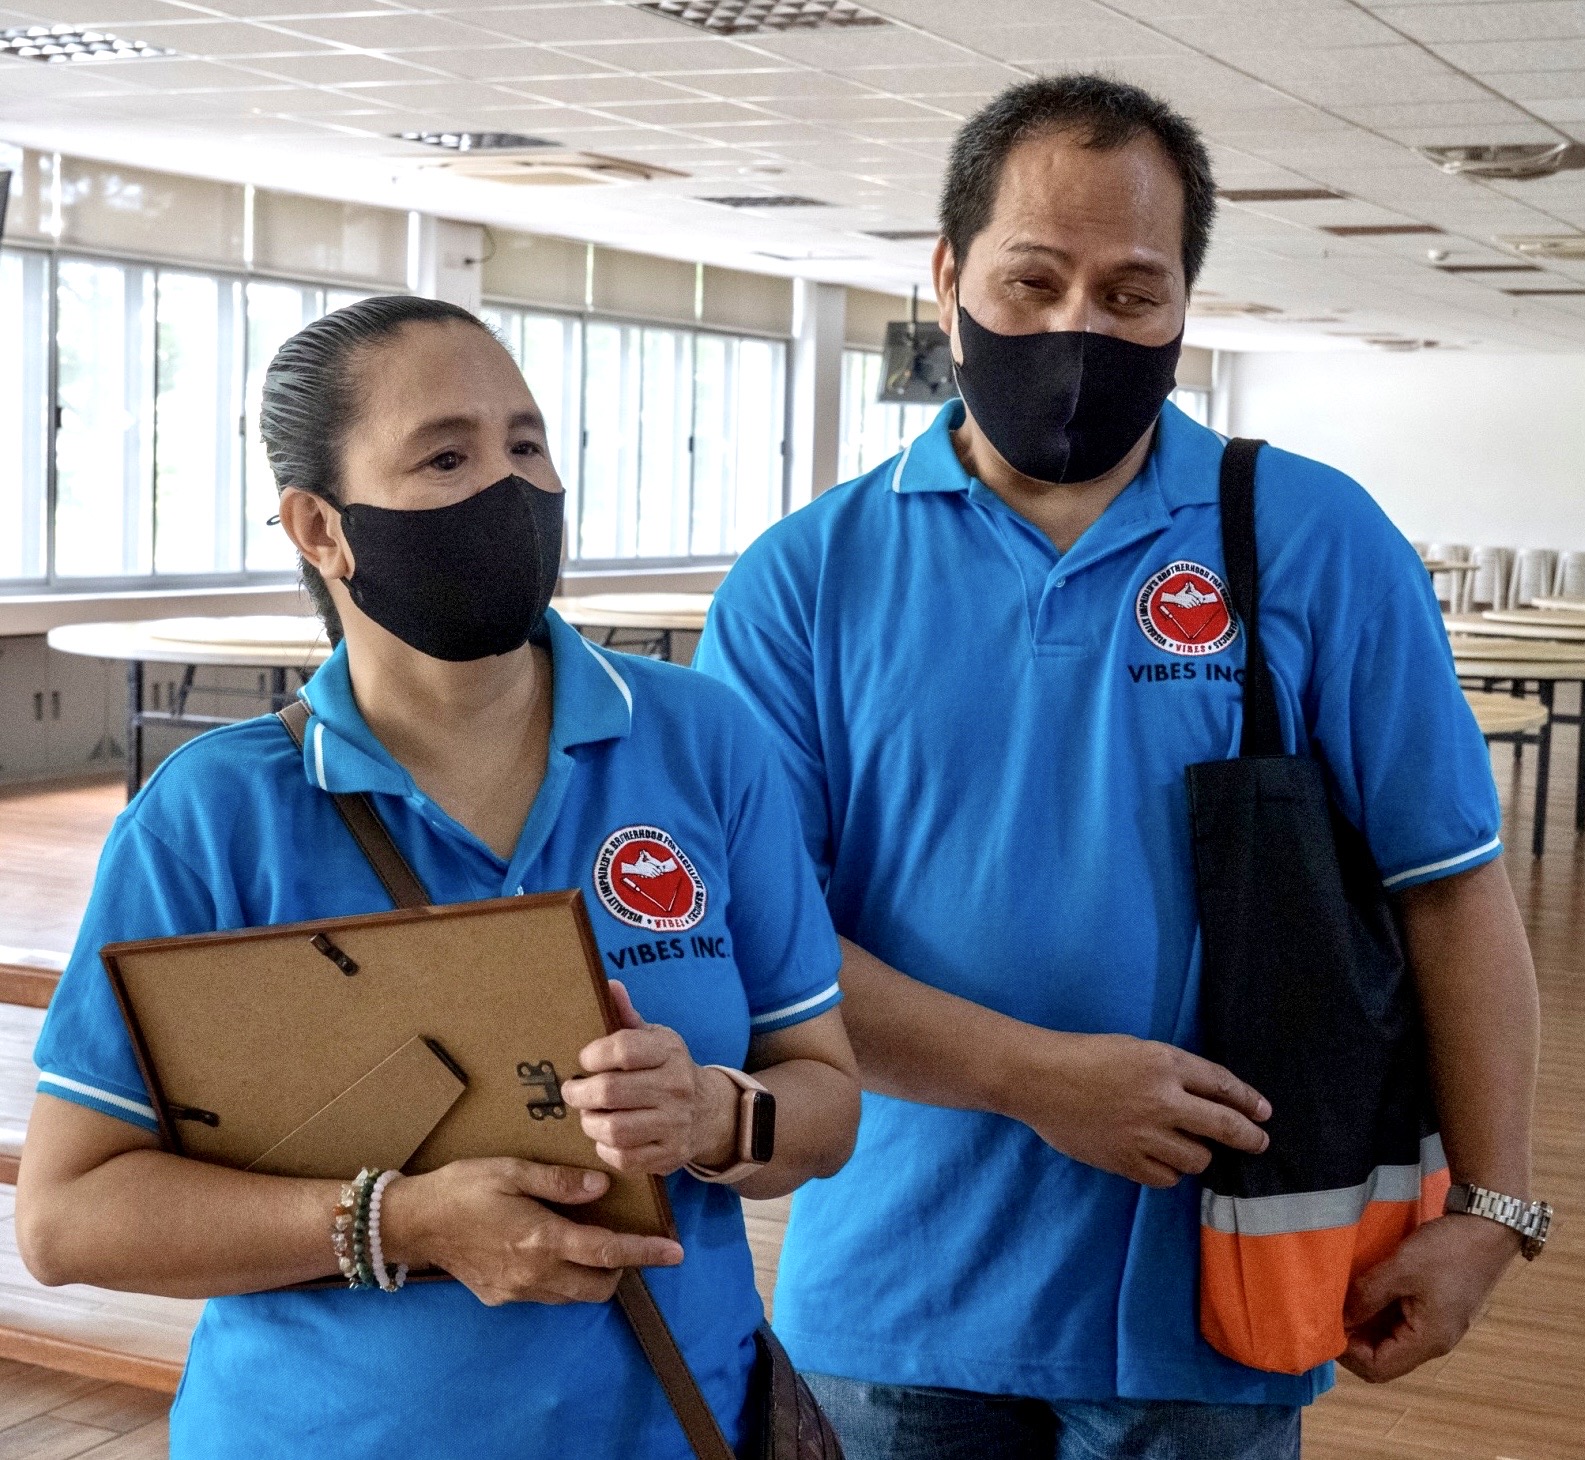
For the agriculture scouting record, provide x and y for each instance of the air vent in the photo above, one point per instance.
(1534, 293)
(1278, 195)
(903, 235)
(1393, 342)
(768, 200)
(1489, 269)
(58, 43)
(1380, 230)
(549, 168)
(756, 17)
(1511, 161)
(1203, 308)
(1547, 245)
(477, 141)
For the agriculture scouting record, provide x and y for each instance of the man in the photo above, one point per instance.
(988, 728)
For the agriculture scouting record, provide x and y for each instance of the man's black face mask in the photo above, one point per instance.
(1065, 405)
(460, 582)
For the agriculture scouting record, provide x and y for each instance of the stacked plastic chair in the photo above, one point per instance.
(1570, 582)
(1534, 570)
(1447, 586)
(1488, 586)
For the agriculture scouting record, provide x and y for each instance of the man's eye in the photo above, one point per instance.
(447, 461)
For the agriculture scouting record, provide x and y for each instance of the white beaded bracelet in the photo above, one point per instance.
(382, 1275)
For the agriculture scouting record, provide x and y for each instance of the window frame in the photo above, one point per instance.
(52, 583)
(583, 318)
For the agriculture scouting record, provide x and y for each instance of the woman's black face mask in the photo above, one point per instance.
(1064, 405)
(461, 582)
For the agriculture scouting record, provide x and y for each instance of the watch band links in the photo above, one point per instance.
(1530, 1219)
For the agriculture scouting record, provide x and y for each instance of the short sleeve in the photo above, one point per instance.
(785, 947)
(774, 673)
(1410, 765)
(84, 1053)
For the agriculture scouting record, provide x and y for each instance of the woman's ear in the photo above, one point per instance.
(314, 527)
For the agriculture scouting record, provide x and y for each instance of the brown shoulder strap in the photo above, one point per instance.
(654, 1336)
(363, 821)
(632, 1292)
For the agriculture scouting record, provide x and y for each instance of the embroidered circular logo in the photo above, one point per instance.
(1184, 610)
(643, 877)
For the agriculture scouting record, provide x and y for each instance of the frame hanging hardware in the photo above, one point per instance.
(323, 945)
(541, 1078)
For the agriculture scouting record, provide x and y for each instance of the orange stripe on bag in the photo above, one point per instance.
(1275, 1300)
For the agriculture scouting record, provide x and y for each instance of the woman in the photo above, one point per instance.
(505, 755)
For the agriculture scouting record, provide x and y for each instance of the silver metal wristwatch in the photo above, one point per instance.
(1530, 1219)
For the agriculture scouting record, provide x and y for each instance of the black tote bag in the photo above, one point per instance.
(1306, 995)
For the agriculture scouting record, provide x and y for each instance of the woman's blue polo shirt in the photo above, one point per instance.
(988, 740)
(712, 917)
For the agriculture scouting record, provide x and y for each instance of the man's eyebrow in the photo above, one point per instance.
(1131, 266)
(442, 425)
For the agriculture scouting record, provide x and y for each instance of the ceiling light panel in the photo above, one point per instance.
(759, 17)
(903, 235)
(56, 44)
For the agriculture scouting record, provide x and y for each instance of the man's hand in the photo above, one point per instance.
(1135, 1107)
(644, 1102)
(1420, 1301)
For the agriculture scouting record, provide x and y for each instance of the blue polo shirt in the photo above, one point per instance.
(988, 739)
(664, 803)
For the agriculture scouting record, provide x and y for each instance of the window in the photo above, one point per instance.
(668, 440)
(24, 415)
(1193, 402)
(872, 431)
(159, 472)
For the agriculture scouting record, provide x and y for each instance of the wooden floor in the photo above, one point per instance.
(1513, 1390)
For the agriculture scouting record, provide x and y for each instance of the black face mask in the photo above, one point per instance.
(1066, 405)
(459, 582)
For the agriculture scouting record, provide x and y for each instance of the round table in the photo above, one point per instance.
(646, 620)
(1564, 605)
(271, 642)
(1521, 661)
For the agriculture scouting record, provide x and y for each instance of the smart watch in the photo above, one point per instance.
(756, 1130)
(1530, 1219)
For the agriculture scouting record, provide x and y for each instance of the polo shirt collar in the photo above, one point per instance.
(1183, 466)
(591, 702)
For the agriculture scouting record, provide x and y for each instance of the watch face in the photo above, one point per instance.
(762, 1129)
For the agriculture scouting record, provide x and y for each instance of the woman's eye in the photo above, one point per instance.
(527, 448)
(447, 461)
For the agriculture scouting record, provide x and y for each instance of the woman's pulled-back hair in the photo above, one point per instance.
(310, 402)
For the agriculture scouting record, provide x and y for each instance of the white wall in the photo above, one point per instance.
(1480, 449)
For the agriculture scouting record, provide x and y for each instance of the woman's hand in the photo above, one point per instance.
(644, 1102)
(484, 1222)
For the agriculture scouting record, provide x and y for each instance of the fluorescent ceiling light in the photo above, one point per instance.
(902, 235)
(58, 43)
(1510, 161)
(1547, 245)
(1489, 268)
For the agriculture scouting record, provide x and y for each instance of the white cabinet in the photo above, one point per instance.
(60, 714)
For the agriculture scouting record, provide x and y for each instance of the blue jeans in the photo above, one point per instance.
(895, 1422)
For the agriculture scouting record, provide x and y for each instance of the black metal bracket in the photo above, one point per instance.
(541, 1077)
(322, 944)
(191, 1112)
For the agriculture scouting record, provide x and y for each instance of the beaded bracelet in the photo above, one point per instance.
(350, 1230)
(389, 1282)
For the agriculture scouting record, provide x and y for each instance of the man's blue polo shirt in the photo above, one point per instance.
(988, 740)
(708, 910)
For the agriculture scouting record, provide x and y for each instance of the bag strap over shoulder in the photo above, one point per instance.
(1262, 731)
(632, 1292)
(363, 821)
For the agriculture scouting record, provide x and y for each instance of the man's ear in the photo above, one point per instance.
(944, 273)
(314, 527)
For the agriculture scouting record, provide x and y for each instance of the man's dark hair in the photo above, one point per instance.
(1104, 114)
(311, 402)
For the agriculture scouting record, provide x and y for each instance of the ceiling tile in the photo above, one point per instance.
(228, 38)
(1511, 20)
(665, 56)
(392, 31)
(576, 24)
(1481, 58)
(341, 68)
(849, 50)
(793, 81)
(107, 13)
